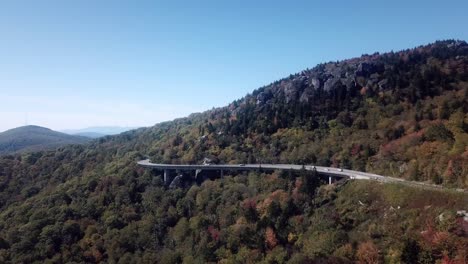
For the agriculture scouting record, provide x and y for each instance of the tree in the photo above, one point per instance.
(438, 132)
(270, 238)
(410, 252)
(310, 181)
(367, 253)
(444, 110)
(414, 172)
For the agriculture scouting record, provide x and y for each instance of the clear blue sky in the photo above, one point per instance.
(73, 64)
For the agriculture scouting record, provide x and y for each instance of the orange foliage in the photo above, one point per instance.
(435, 238)
(279, 196)
(363, 90)
(367, 253)
(297, 195)
(441, 238)
(270, 238)
(249, 203)
(399, 145)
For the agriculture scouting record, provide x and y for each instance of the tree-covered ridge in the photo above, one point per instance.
(35, 138)
(91, 203)
(399, 114)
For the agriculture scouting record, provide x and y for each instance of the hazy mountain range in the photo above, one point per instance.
(95, 132)
(37, 138)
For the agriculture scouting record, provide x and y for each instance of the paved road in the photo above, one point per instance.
(335, 172)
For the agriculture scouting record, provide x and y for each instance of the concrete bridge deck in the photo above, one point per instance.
(329, 171)
(326, 171)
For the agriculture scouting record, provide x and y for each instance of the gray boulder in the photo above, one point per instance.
(306, 95)
(177, 182)
(330, 83)
(315, 82)
(365, 69)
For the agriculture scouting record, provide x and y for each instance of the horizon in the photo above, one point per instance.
(103, 130)
(134, 66)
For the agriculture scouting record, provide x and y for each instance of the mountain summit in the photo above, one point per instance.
(34, 138)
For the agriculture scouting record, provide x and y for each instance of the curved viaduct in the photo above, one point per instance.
(326, 171)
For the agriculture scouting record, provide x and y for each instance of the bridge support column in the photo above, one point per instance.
(198, 176)
(167, 177)
(329, 180)
(166, 174)
(222, 173)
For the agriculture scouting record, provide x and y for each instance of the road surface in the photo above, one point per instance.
(329, 171)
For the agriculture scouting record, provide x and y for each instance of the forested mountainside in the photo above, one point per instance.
(400, 114)
(35, 138)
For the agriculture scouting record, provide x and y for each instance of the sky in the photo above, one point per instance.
(76, 64)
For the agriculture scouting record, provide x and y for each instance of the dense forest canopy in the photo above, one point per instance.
(401, 114)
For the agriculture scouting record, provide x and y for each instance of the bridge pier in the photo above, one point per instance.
(167, 177)
(199, 176)
(329, 180)
(222, 173)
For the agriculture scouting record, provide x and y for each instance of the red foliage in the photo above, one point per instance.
(296, 194)
(449, 171)
(446, 260)
(401, 144)
(97, 255)
(249, 204)
(279, 196)
(441, 238)
(428, 234)
(363, 90)
(214, 233)
(270, 238)
(93, 254)
(140, 171)
(435, 238)
(355, 149)
(462, 253)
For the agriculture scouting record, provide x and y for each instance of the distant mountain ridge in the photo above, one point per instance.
(90, 134)
(35, 138)
(99, 131)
